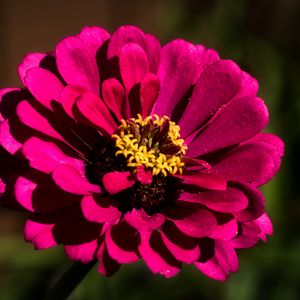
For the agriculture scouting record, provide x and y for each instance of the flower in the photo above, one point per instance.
(121, 150)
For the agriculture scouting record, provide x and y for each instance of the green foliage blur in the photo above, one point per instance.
(261, 36)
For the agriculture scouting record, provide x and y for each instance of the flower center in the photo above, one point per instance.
(153, 142)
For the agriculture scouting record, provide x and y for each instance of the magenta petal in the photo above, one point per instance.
(45, 156)
(84, 252)
(176, 73)
(149, 92)
(97, 209)
(43, 85)
(24, 189)
(115, 182)
(30, 117)
(249, 86)
(238, 121)
(204, 180)
(143, 176)
(225, 231)
(185, 255)
(68, 97)
(228, 201)
(198, 224)
(39, 234)
(143, 222)
(205, 57)
(77, 64)
(224, 261)
(131, 34)
(265, 224)
(95, 112)
(7, 141)
(155, 262)
(94, 37)
(31, 60)
(107, 265)
(69, 179)
(113, 95)
(133, 65)
(248, 235)
(122, 256)
(218, 84)
(247, 163)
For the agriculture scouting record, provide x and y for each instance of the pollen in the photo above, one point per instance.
(153, 142)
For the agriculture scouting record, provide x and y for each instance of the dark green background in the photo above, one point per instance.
(263, 36)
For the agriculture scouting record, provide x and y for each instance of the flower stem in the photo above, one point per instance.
(67, 283)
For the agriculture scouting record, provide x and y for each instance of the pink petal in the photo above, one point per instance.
(107, 265)
(176, 73)
(265, 224)
(143, 222)
(7, 140)
(131, 34)
(77, 64)
(249, 86)
(149, 91)
(97, 209)
(185, 255)
(224, 261)
(248, 235)
(115, 182)
(68, 97)
(113, 95)
(46, 156)
(205, 57)
(238, 121)
(228, 201)
(143, 176)
(121, 243)
(249, 163)
(227, 229)
(204, 180)
(133, 65)
(30, 117)
(256, 203)
(84, 252)
(70, 180)
(94, 37)
(218, 84)
(198, 224)
(31, 60)
(158, 259)
(43, 85)
(24, 189)
(95, 112)
(39, 234)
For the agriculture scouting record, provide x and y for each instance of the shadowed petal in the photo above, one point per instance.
(115, 182)
(84, 252)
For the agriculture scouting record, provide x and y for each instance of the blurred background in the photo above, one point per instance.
(263, 36)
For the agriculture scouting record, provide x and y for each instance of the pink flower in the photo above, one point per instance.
(122, 150)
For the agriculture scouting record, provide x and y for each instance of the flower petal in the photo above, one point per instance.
(115, 182)
(39, 234)
(133, 65)
(176, 73)
(236, 122)
(43, 85)
(197, 224)
(84, 252)
(98, 209)
(107, 265)
(227, 229)
(46, 156)
(131, 34)
(141, 221)
(204, 180)
(77, 64)
(227, 201)
(149, 91)
(113, 95)
(224, 261)
(7, 140)
(122, 243)
(71, 180)
(95, 112)
(157, 256)
(218, 84)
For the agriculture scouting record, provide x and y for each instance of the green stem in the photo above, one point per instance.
(68, 282)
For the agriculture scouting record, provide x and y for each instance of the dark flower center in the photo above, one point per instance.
(153, 143)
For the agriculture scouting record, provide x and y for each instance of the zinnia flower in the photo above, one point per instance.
(122, 150)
